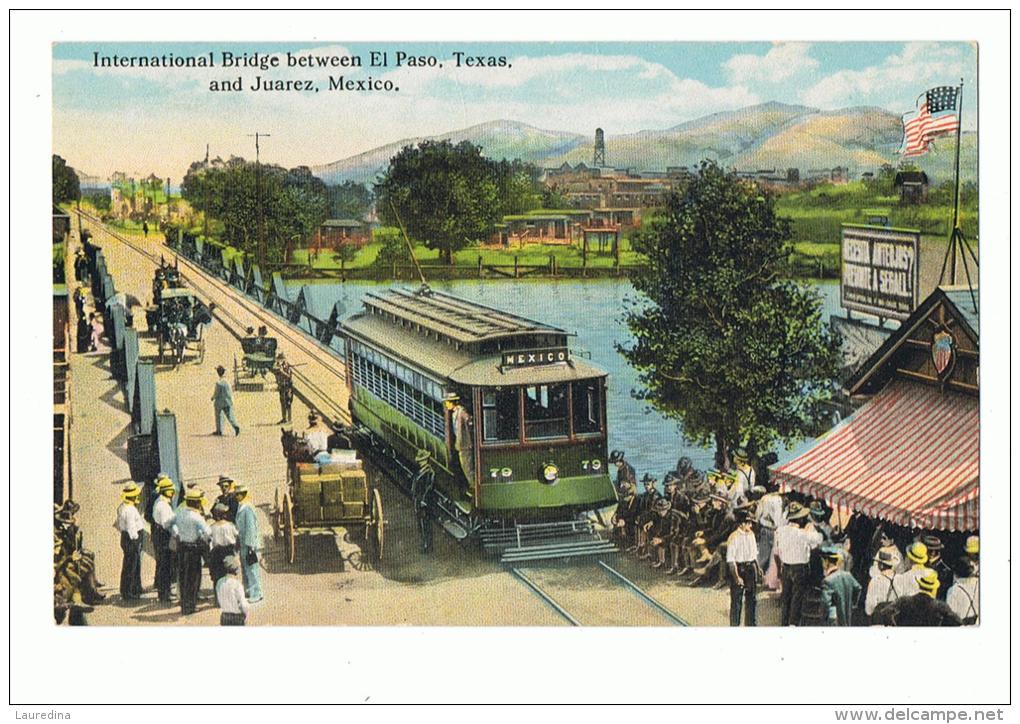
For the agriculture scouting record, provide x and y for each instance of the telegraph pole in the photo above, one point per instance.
(205, 197)
(258, 201)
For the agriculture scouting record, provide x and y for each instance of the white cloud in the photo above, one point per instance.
(783, 61)
(896, 81)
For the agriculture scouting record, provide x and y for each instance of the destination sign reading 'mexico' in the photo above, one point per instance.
(533, 357)
(880, 270)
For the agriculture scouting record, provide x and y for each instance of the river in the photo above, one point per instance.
(592, 310)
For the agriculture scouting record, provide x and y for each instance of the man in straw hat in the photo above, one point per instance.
(223, 402)
(192, 534)
(132, 530)
(880, 587)
(250, 542)
(230, 597)
(742, 564)
(920, 609)
(793, 545)
(906, 582)
(162, 533)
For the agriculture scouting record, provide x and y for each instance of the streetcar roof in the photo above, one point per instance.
(445, 361)
(458, 319)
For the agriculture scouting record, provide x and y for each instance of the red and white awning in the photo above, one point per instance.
(909, 456)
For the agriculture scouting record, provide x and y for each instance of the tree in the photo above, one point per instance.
(725, 343)
(100, 201)
(349, 200)
(343, 254)
(445, 195)
(65, 182)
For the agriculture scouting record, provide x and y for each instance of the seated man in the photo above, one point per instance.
(316, 437)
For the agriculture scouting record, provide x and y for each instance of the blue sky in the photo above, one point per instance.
(141, 120)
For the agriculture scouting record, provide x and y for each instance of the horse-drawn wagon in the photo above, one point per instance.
(329, 498)
(258, 356)
(178, 320)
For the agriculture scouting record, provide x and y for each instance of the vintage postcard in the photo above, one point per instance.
(516, 334)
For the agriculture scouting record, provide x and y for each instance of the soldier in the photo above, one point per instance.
(742, 563)
(222, 541)
(646, 505)
(624, 471)
(284, 386)
(132, 530)
(421, 493)
(192, 534)
(660, 530)
(230, 597)
(162, 534)
(626, 514)
(250, 542)
(83, 561)
(227, 497)
(223, 402)
(921, 608)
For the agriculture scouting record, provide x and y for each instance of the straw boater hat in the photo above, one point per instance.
(973, 545)
(918, 553)
(241, 490)
(796, 511)
(929, 583)
(130, 492)
(164, 483)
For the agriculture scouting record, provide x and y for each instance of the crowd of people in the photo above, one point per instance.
(75, 586)
(185, 540)
(737, 529)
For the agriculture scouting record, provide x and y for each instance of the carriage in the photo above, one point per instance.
(258, 356)
(329, 498)
(178, 320)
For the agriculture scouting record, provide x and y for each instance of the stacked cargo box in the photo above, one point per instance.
(332, 492)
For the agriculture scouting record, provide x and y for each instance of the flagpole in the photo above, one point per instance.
(956, 188)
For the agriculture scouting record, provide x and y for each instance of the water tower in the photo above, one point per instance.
(600, 149)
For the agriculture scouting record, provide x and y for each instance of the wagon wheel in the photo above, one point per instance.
(375, 529)
(201, 352)
(277, 515)
(288, 527)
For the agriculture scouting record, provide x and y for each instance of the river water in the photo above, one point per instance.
(591, 310)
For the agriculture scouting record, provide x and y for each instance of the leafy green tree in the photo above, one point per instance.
(65, 182)
(344, 254)
(393, 249)
(725, 343)
(445, 195)
(349, 200)
(100, 201)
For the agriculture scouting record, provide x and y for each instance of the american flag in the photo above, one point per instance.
(937, 116)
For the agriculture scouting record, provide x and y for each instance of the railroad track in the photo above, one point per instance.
(558, 601)
(216, 290)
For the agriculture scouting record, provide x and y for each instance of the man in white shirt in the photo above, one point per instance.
(230, 596)
(316, 436)
(906, 582)
(192, 533)
(770, 518)
(162, 532)
(793, 547)
(880, 587)
(742, 562)
(964, 595)
(132, 529)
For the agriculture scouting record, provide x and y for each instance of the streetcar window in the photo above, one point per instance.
(500, 414)
(587, 407)
(545, 411)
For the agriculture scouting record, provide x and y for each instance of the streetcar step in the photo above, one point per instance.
(534, 553)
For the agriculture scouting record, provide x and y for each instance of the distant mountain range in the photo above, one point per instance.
(770, 135)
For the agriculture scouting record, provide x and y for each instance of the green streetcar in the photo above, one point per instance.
(514, 424)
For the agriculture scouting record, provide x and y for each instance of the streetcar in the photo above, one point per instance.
(513, 421)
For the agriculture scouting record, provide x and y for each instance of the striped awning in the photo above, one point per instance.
(909, 456)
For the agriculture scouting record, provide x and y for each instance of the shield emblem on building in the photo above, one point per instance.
(943, 350)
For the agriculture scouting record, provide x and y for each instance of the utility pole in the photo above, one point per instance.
(258, 201)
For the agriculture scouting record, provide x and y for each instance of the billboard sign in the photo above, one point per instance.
(881, 270)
